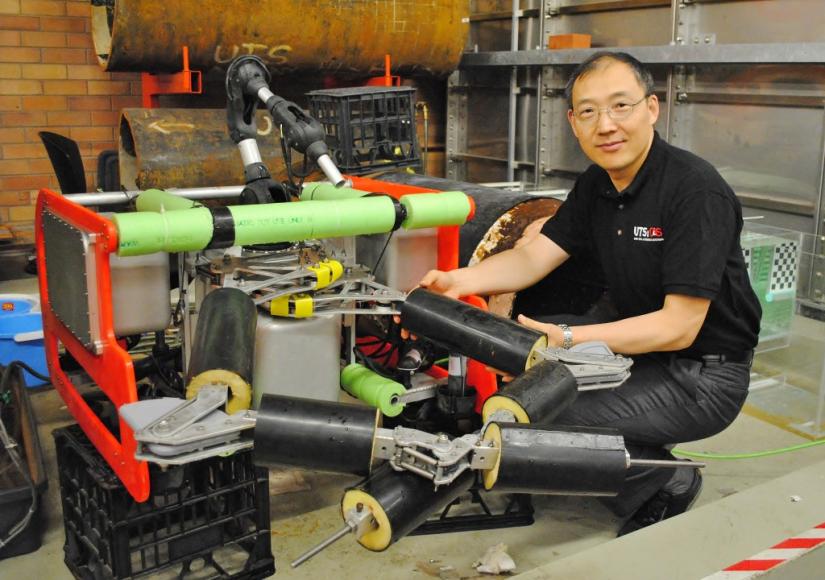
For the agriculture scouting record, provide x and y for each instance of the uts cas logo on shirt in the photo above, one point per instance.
(648, 234)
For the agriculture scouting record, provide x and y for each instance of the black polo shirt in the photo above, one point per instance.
(674, 230)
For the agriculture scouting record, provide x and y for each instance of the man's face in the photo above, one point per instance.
(618, 145)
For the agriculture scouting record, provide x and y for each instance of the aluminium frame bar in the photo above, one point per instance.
(714, 54)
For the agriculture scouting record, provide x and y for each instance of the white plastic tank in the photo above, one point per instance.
(140, 293)
(297, 357)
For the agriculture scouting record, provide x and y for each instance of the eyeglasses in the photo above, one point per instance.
(588, 115)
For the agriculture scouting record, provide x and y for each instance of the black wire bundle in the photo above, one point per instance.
(11, 445)
(291, 172)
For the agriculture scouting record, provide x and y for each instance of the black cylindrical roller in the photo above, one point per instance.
(464, 329)
(314, 434)
(561, 460)
(537, 395)
(223, 348)
(400, 502)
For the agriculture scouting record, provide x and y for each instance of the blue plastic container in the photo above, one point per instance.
(21, 335)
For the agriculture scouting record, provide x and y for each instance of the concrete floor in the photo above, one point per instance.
(564, 525)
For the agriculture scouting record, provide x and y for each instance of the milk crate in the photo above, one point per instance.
(368, 128)
(208, 518)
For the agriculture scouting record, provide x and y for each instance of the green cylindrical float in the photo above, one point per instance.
(157, 200)
(427, 210)
(192, 229)
(147, 232)
(373, 389)
(423, 210)
(292, 222)
(321, 191)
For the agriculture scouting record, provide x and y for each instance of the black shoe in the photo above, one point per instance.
(662, 506)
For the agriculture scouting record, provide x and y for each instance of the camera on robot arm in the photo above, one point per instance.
(247, 83)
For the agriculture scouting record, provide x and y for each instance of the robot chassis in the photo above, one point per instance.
(510, 452)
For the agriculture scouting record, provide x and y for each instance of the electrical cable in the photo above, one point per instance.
(24, 366)
(11, 447)
(752, 455)
(381, 255)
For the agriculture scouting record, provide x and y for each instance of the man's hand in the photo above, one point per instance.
(555, 336)
(440, 282)
(436, 281)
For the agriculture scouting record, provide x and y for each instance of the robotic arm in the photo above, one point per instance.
(247, 81)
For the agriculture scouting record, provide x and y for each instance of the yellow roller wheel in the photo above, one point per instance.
(240, 397)
(499, 403)
(492, 435)
(380, 538)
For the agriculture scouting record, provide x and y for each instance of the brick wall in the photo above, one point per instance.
(50, 80)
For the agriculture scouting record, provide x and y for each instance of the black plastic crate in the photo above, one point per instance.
(15, 493)
(368, 128)
(209, 519)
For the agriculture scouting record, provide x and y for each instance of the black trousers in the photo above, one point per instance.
(666, 400)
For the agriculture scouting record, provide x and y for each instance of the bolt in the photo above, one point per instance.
(359, 507)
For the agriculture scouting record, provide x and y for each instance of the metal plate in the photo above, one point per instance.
(67, 249)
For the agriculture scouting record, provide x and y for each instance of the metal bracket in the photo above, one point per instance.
(704, 38)
(435, 457)
(172, 431)
(277, 275)
(593, 364)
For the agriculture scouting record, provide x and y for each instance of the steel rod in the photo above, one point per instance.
(116, 197)
(716, 54)
(665, 463)
(346, 529)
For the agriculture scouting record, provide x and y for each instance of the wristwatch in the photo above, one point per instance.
(567, 336)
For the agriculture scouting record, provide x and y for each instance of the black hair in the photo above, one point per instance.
(643, 74)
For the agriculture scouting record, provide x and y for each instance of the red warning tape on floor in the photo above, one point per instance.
(777, 555)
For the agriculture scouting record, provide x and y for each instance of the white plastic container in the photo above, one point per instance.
(140, 293)
(297, 357)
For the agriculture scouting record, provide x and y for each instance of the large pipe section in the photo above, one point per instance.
(288, 35)
(169, 148)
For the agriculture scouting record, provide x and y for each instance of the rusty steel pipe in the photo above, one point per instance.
(187, 148)
(344, 36)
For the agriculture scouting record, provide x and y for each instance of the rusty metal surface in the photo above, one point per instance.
(339, 36)
(505, 233)
(508, 229)
(187, 148)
